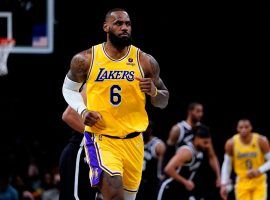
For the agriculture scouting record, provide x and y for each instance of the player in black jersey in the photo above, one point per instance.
(183, 166)
(154, 149)
(181, 134)
(74, 172)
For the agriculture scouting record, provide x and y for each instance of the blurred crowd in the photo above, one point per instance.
(33, 184)
(28, 170)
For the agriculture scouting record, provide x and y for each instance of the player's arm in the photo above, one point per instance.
(173, 136)
(264, 145)
(160, 151)
(226, 169)
(152, 84)
(170, 144)
(73, 119)
(183, 156)
(213, 162)
(74, 80)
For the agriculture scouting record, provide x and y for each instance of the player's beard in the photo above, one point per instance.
(195, 120)
(119, 42)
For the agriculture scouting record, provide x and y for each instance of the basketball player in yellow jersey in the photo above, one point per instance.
(248, 154)
(118, 77)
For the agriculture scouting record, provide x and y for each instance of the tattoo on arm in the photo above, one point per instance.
(161, 100)
(79, 66)
(154, 68)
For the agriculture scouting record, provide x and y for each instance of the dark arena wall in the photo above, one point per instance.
(216, 54)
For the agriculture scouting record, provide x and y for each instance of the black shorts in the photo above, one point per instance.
(173, 190)
(74, 173)
(148, 189)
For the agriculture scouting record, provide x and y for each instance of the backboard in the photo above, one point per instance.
(30, 23)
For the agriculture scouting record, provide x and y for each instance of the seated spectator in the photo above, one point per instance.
(33, 181)
(47, 181)
(7, 192)
(53, 194)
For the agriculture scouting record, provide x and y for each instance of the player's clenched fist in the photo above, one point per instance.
(147, 86)
(223, 192)
(253, 173)
(189, 185)
(91, 117)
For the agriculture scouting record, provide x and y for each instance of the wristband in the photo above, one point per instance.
(156, 92)
(83, 113)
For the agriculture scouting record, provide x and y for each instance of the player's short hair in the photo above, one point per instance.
(108, 14)
(193, 105)
(244, 120)
(201, 131)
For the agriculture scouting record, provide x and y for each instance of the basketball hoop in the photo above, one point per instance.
(6, 46)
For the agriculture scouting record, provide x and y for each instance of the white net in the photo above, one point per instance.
(5, 48)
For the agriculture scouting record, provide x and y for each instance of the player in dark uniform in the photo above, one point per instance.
(183, 167)
(181, 134)
(74, 172)
(154, 149)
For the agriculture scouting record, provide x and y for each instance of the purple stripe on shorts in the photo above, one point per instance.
(94, 165)
(105, 168)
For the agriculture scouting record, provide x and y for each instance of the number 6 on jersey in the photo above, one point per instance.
(115, 97)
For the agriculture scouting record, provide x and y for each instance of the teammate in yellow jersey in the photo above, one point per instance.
(248, 154)
(118, 77)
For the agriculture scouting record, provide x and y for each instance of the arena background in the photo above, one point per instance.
(217, 54)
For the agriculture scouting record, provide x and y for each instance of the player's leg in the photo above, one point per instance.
(111, 187)
(74, 182)
(164, 188)
(67, 171)
(133, 163)
(260, 193)
(242, 193)
(148, 190)
(106, 167)
(129, 195)
(172, 190)
(83, 188)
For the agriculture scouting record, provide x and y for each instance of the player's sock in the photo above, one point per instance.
(98, 196)
(129, 195)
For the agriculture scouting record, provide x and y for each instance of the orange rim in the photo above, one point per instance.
(4, 41)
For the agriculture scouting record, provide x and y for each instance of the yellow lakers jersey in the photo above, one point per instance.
(246, 157)
(113, 91)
